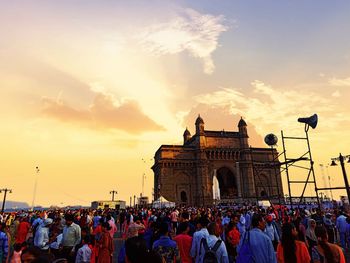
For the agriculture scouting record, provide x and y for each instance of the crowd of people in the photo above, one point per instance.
(57, 236)
(186, 234)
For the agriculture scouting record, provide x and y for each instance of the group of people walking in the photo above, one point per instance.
(237, 235)
(187, 234)
(57, 236)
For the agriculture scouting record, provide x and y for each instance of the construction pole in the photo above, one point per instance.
(341, 159)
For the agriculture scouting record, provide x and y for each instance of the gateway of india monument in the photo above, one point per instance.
(214, 167)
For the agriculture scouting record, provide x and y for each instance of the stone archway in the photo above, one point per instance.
(263, 185)
(183, 188)
(227, 183)
(183, 196)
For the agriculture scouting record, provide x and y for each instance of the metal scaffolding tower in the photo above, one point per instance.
(310, 178)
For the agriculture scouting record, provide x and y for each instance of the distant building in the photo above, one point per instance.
(118, 204)
(184, 173)
(143, 201)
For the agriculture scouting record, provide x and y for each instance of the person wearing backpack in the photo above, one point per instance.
(197, 238)
(213, 249)
(255, 245)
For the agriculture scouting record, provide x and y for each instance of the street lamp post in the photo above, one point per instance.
(143, 183)
(341, 160)
(5, 190)
(112, 193)
(329, 183)
(35, 185)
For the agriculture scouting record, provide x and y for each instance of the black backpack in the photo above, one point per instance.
(210, 253)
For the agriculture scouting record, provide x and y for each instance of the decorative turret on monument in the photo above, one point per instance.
(242, 127)
(200, 133)
(199, 125)
(187, 136)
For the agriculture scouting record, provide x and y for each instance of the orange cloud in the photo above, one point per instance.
(63, 112)
(219, 118)
(102, 114)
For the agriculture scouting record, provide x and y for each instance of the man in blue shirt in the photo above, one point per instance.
(247, 216)
(226, 220)
(241, 225)
(166, 247)
(97, 218)
(341, 226)
(4, 245)
(260, 243)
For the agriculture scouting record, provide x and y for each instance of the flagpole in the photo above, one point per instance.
(35, 186)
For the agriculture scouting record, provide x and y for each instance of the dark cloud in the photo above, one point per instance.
(103, 114)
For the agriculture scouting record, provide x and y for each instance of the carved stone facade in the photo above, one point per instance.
(184, 173)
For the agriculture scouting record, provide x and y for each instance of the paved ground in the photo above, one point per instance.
(118, 241)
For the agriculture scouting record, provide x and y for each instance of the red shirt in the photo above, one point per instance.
(184, 243)
(233, 237)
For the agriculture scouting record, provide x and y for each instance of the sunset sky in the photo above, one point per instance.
(90, 89)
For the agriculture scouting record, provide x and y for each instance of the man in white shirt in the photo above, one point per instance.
(174, 218)
(272, 231)
(84, 253)
(211, 240)
(197, 237)
(41, 239)
(71, 237)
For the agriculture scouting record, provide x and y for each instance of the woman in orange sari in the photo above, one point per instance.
(106, 248)
(290, 249)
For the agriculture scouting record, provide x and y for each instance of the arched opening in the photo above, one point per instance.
(227, 183)
(263, 185)
(183, 197)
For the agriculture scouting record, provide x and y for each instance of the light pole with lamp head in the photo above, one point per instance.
(5, 190)
(145, 161)
(112, 193)
(329, 183)
(35, 185)
(341, 160)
